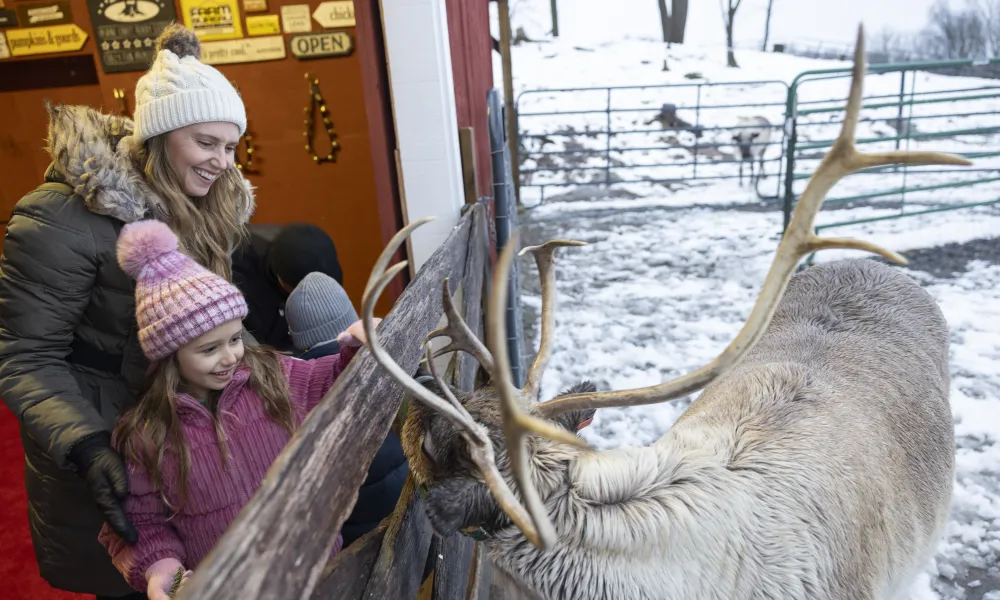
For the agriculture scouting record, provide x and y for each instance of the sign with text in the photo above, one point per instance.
(4, 50)
(263, 25)
(51, 13)
(335, 14)
(126, 31)
(8, 18)
(243, 51)
(213, 19)
(45, 40)
(254, 5)
(295, 18)
(322, 45)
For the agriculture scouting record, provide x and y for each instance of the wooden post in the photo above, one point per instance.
(503, 8)
(467, 148)
(555, 17)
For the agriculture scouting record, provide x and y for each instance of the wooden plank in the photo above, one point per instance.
(346, 577)
(279, 543)
(399, 569)
(453, 562)
(473, 293)
(452, 565)
(479, 588)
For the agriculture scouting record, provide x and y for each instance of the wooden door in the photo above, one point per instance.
(354, 199)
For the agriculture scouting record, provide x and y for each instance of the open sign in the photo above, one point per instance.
(320, 45)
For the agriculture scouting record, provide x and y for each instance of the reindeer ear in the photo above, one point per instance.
(575, 420)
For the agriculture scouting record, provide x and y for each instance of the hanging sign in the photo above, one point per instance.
(335, 14)
(4, 50)
(263, 25)
(243, 51)
(8, 18)
(51, 13)
(295, 18)
(321, 45)
(213, 19)
(250, 5)
(126, 31)
(45, 40)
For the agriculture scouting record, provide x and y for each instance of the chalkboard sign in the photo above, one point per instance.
(126, 31)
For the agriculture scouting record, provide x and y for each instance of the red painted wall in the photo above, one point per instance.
(472, 69)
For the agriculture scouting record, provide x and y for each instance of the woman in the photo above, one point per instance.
(70, 361)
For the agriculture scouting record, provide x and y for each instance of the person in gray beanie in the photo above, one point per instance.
(318, 310)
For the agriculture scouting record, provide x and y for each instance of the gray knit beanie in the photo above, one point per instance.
(317, 310)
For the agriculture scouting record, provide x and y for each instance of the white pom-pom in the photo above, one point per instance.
(143, 242)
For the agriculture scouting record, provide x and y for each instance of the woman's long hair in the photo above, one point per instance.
(208, 228)
(150, 431)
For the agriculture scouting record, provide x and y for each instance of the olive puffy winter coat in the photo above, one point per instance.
(70, 360)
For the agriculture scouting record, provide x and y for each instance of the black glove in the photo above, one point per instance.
(106, 476)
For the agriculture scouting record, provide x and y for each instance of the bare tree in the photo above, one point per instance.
(767, 26)
(989, 13)
(678, 20)
(664, 20)
(673, 21)
(729, 8)
(954, 33)
(889, 45)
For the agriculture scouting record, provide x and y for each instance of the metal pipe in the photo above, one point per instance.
(505, 217)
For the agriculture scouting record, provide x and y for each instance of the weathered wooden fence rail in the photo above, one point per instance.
(278, 547)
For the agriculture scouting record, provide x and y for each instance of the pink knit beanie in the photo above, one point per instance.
(176, 299)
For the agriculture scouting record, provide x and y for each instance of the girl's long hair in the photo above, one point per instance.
(148, 433)
(208, 228)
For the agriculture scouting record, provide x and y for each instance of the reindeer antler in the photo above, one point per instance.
(799, 240)
(544, 256)
(461, 336)
(534, 522)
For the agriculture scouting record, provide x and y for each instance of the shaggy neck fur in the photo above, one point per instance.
(90, 152)
(627, 520)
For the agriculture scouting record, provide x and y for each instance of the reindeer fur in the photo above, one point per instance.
(820, 467)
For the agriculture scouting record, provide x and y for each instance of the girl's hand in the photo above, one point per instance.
(354, 335)
(160, 578)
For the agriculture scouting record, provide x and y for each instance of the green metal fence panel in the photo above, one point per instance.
(960, 118)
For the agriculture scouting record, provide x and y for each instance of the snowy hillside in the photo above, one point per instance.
(671, 271)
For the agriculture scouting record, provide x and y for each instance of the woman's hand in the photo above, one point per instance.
(354, 335)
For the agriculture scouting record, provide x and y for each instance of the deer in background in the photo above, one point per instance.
(817, 462)
(752, 136)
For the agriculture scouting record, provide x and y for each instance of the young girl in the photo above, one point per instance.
(213, 416)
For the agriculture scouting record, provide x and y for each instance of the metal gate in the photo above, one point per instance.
(901, 111)
(617, 141)
(635, 141)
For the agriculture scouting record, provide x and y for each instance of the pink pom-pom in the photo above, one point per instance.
(143, 242)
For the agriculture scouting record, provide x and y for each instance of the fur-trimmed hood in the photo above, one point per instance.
(90, 152)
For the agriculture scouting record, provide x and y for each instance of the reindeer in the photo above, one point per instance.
(751, 136)
(817, 462)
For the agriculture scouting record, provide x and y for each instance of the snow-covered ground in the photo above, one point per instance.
(669, 275)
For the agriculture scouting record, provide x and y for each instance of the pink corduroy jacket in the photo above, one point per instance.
(215, 493)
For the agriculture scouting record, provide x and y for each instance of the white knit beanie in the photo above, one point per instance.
(180, 90)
